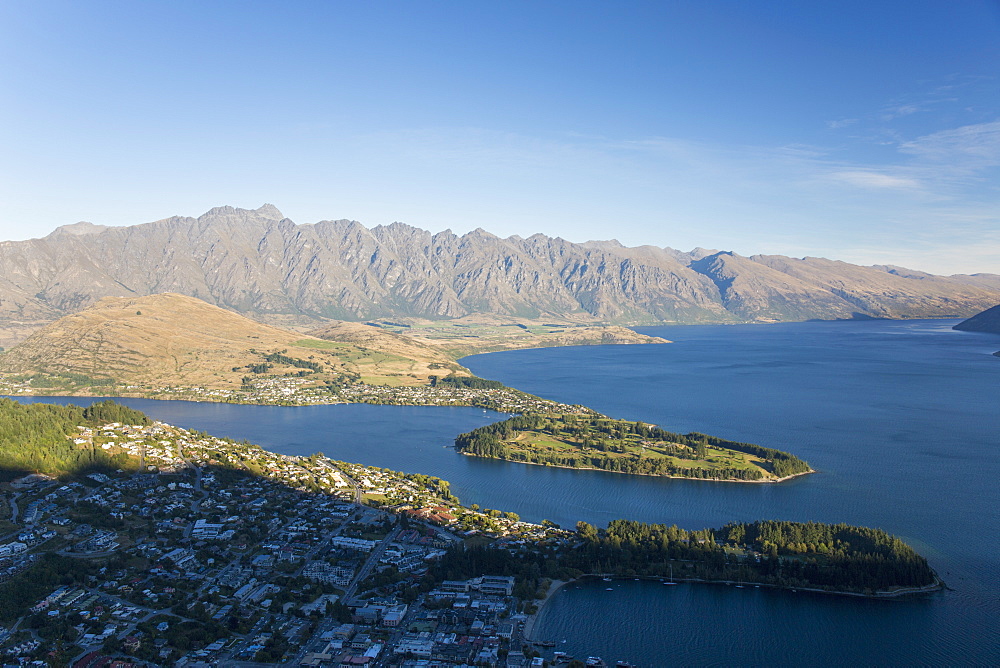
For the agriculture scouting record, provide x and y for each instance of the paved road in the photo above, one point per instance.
(353, 483)
(201, 493)
(12, 500)
(370, 564)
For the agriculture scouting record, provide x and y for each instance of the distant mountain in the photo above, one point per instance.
(987, 321)
(259, 263)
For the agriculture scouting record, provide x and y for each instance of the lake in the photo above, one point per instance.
(900, 419)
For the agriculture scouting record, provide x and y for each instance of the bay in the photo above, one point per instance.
(900, 419)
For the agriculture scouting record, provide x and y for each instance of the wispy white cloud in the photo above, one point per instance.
(872, 179)
(841, 123)
(948, 164)
(965, 149)
(901, 110)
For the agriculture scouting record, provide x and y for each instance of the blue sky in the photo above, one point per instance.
(862, 131)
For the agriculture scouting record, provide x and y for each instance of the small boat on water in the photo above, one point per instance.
(561, 657)
(595, 662)
(609, 589)
(606, 579)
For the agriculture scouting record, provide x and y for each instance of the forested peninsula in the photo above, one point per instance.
(834, 558)
(595, 441)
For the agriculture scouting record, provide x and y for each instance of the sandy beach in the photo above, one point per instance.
(529, 624)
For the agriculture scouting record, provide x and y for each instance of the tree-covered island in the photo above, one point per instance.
(593, 441)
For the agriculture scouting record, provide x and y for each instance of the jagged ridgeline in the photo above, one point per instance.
(39, 437)
(599, 442)
(261, 264)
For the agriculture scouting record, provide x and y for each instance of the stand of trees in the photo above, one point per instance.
(281, 358)
(827, 556)
(790, 554)
(52, 570)
(466, 382)
(35, 437)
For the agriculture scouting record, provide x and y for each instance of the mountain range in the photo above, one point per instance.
(261, 264)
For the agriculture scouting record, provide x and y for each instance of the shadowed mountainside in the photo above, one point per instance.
(987, 321)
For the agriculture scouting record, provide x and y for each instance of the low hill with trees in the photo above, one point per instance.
(40, 438)
(595, 441)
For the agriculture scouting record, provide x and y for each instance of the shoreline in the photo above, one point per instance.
(532, 620)
(937, 585)
(645, 475)
(348, 403)
(529, 623)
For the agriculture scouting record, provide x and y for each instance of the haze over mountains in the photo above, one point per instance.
(265, 266)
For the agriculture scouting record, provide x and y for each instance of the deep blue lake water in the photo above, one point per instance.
(900, 418)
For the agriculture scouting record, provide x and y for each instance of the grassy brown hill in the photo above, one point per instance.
(165, 338)
(171, 339)
(483, 333)
(385, 357)
(131, 346)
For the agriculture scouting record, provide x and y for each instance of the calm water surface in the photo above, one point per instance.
(900, 418)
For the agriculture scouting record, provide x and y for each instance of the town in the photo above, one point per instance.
(126, 542)
(213, 552)
(296, 391)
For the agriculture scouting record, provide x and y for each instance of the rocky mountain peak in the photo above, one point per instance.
(80, 229)
(270, 211)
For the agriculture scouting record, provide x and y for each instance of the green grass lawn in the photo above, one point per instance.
(538, 442)
(320, 345)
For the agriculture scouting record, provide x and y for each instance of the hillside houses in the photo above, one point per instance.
(256, 547)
